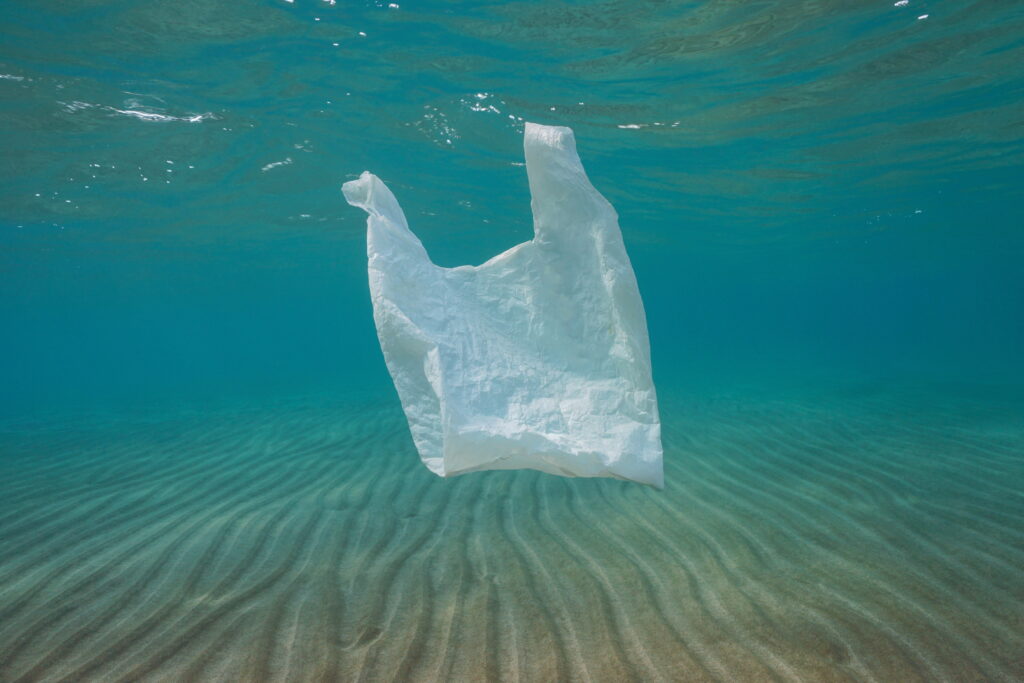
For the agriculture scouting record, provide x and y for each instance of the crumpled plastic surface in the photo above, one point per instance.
(538, 358)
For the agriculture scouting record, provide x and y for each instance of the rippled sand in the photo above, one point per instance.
(860, 537)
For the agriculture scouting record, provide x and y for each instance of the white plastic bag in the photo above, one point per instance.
(539, 358)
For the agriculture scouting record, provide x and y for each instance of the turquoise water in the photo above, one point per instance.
(207, 469)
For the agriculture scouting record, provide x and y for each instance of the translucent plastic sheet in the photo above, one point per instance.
(539, 358)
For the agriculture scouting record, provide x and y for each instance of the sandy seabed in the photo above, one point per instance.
(853, 536)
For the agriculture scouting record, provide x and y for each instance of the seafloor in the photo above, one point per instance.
(842, 535)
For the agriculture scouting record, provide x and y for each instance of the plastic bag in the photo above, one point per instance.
(538, 358)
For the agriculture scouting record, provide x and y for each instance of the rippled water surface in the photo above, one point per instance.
(810, 183)
(209, 474)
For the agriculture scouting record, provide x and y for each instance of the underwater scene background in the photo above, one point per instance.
(205, 473)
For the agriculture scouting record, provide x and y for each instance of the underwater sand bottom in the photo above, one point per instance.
(861, 537)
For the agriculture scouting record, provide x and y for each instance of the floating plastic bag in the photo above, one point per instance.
(538, 358)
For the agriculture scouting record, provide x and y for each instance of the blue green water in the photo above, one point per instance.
(821, 200)
(814, 188)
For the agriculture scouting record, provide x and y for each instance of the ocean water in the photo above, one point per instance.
(205, 473)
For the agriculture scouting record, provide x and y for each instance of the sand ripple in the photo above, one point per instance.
(853, 538)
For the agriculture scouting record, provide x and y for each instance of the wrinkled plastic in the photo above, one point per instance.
(539, 358)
